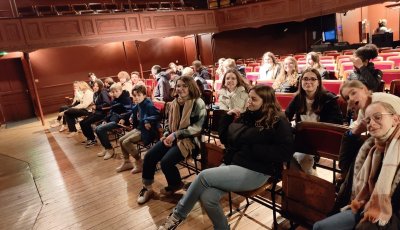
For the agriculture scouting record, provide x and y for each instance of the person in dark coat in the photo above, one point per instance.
(364, 69)
(101, 100)
(257, 143)
(162, 91)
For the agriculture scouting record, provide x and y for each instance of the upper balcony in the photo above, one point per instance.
(91, 26)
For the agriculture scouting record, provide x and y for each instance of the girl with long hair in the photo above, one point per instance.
(257, 143)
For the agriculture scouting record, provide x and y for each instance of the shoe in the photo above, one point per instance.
(172, 222)
(145, 195)
(138, 167)
(55, 124)
(169, 190)
(72, 134)
(90, 143)
(126, 165)
(108, 154)
(102, 153)
(62, 128)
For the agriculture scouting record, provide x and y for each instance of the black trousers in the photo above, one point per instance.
(86, 124)
(62, 109)
(71, 115)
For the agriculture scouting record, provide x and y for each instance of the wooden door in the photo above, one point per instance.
(15, 101)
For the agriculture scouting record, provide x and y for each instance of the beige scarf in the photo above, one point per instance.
(375, 184)
(176, 121)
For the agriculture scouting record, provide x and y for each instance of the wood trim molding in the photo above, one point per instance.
(27, 34)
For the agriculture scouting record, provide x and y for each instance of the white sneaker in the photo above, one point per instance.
(55, 124)
(126, 165)
(108, 154)
(62, 128)
(102, 153)
(172, 222)
(72, 134)
(145, 195)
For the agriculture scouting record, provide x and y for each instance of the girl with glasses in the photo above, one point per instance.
(373, 187)
(312, 103)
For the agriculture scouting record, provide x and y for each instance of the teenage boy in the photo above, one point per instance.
(120, 106)
(145, 118)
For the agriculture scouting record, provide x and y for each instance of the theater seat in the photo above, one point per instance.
(27, 11)
(284, 99)
(332, 86)
(45, 10)
(389, 75)
(265, 82)
(306, 198)
(386, 55)
(382, 65)
(395, 87)
(396, 60)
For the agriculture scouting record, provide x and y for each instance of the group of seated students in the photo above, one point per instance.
(256, 133)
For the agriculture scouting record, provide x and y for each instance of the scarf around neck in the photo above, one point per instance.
(178, 121)
(376, 176)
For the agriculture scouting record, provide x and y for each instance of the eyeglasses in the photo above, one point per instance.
(377, 117)
(309, 79)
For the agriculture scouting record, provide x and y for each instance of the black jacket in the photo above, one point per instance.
(330, 111)
(120, 107)
(146, 112)
(368, 75)
(101, 99)
(259, 149)
(162, 90)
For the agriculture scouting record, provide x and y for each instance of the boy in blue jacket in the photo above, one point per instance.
(145, 117)
(120, 106)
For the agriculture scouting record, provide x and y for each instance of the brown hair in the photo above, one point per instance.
(139, 89)
(367, 52)
(239, 78)
(271, 109)
(271, 55)
(100, 84)
(315, 58)
(318, 93)
(194, 91)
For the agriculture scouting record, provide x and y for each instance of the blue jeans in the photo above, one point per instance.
(101, 132)
(211, 184)
(342, 220)
(168, 157)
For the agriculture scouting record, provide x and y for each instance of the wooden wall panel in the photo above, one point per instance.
(190, 49)
(56, 68)
(11, 34)
(205, 49)
(45, 32)
(161, 51)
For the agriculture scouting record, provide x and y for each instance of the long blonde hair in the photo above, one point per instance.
(283, 76)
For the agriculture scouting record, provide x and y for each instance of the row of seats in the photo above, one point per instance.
(97, 8)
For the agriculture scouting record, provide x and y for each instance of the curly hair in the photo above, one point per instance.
(367, 52)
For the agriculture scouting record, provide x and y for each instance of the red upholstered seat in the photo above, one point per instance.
(284, 99)
(265, 82)
(252, 76)
(332, 85)
(382, 65)
(389, 75)
(386, 55)
(249, 69)
(329, 67)
(396, 60)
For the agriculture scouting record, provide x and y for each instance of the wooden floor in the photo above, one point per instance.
(49, 181)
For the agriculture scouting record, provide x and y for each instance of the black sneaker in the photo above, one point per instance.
(171, 223)
(90, 143)
(169, 190)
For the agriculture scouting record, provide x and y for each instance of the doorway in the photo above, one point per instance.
(15, 100)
